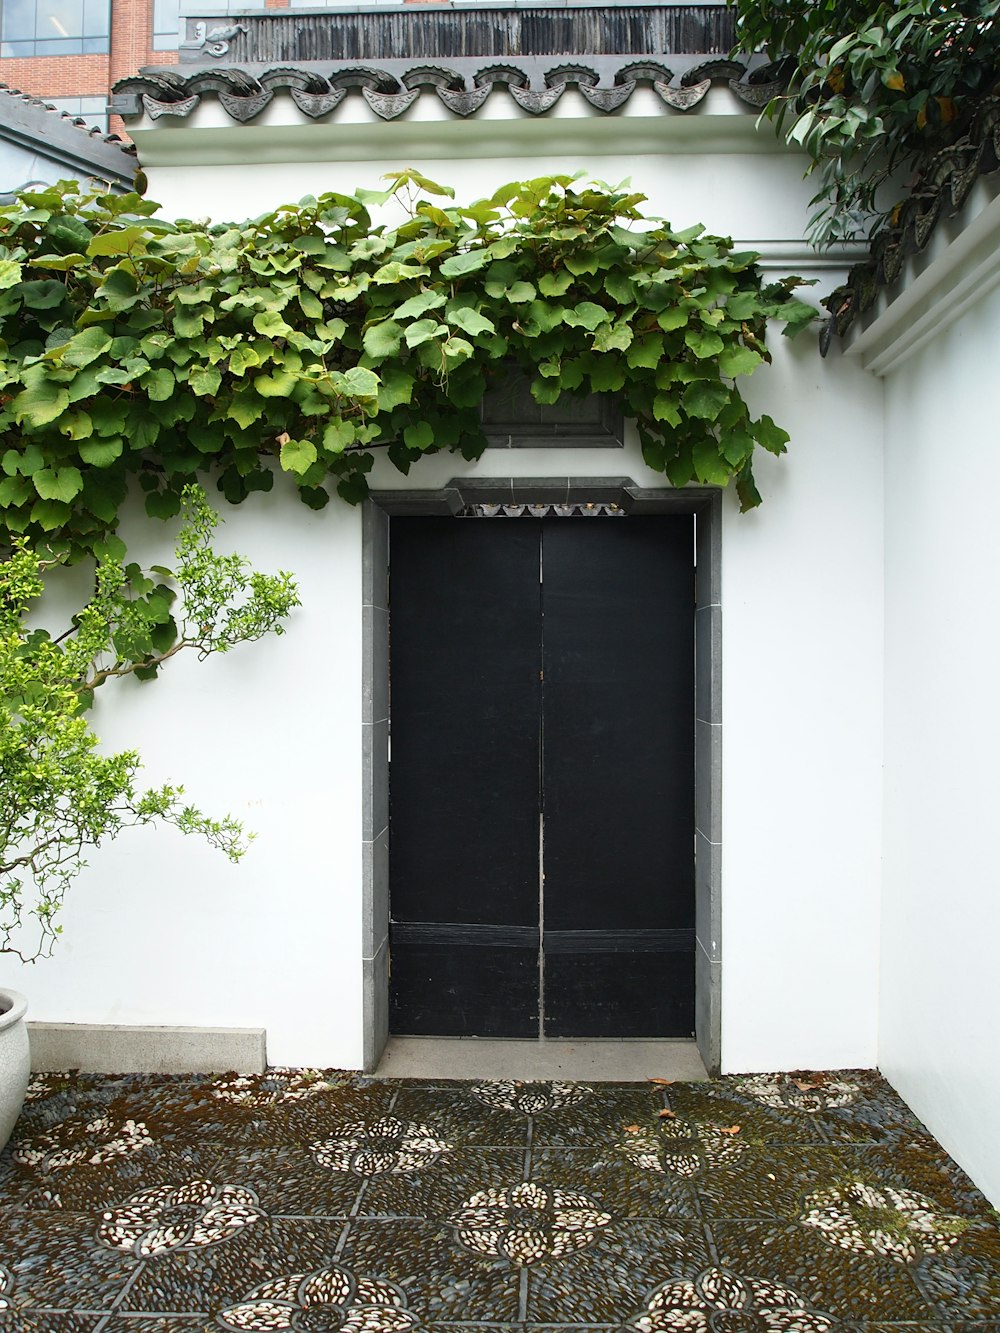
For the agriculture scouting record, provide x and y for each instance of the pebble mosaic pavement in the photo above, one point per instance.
(319, 1202)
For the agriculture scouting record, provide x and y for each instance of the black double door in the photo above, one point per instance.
(542, 777)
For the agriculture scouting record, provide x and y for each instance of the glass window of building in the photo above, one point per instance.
(94, 110)
(54, 27)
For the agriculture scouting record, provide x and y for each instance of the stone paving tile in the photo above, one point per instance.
(612, 1276)
(441, 1279)
(461, 1116)
(318, 1201)
(617, 1183)
(51, 1322)
(54, 1259)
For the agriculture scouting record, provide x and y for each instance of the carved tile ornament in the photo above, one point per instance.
(530, 1098)
(896, 1223)
(215, 41)
(719, 1300)
(528, 1223)
(325, 1299)
(182, 1217)
(388, 1146)
(244, 95)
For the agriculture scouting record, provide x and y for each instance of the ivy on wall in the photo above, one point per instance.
(308, 338)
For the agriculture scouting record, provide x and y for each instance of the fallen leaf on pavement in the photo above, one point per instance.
(668, 1115)
(729, 1129)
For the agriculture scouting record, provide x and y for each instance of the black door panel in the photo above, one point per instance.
(542, 703)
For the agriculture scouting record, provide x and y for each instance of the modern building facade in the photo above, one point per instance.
(72, 52)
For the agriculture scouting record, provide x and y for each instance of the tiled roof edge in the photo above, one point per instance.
(37, 125)
(940, 192)
(462, 85)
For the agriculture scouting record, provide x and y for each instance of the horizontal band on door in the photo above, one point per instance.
(528, 937)
(619, 941)
(455, 932)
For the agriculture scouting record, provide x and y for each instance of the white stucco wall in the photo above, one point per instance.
(802, 662)
(940, 980)
(162, 931)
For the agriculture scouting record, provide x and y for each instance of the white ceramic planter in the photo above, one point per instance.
(15, 1060)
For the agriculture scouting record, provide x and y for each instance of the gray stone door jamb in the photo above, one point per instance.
(457, 495)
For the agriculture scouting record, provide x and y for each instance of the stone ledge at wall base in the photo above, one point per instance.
(111, 1048)
(15, 1060)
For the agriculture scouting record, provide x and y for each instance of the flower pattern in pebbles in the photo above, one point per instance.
(528, 1223)
(78, 1143)
(181, 1217)
(529, 1098)
(325, 1300)
(783, 1093)
(721, 1302)
(897, 1223)
(271, 1089)
(680, 1147)
(382, 1147)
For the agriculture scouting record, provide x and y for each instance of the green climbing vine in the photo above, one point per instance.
(306, 339)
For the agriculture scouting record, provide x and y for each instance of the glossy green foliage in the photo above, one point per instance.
(873, 92)
(306, 339)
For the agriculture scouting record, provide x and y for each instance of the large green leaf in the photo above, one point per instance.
(278, 384)
(358, 382)
(58, 483)
(10, 273)
(121, 242)
(382, 340)
(338, 434)
(469, 321)
(44, 294)
(418, 305)
(205, 380)
(298, 456)
(41, 403)
(461, 265)
(423, 330)
(396, 388)
(703, 342)
(739, 360)
(769, 436)
(705, 399)
(159, 384)
(242, 358)
(587, 315)
(101, 453)
(85, 347)
(50, 514)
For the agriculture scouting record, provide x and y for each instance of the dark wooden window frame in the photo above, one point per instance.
(459, 494)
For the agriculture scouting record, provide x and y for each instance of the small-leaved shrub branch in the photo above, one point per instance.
(60, 794)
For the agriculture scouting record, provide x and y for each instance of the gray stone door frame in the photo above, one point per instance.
(459, 494)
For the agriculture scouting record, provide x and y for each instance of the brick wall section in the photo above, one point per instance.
(92, 75)
(56, 76)
(131, 37)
